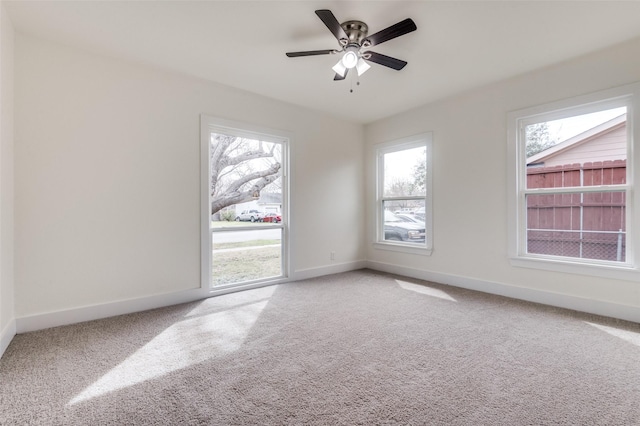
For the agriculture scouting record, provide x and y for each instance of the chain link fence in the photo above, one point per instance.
(581, 244)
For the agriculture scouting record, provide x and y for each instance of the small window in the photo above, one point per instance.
(404, 194)
(573, 182)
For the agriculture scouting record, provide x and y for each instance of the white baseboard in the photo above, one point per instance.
(598, 307)
(335, 268)
(89, 313)
(6, 335)
(106, 310)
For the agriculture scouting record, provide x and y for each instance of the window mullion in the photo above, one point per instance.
(408, 197)
(576, 189)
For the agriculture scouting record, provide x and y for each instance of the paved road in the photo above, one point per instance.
(235, 236)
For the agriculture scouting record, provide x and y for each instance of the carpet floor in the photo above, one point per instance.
(358, 348)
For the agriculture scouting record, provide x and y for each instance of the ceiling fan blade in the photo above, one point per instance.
(385, 60)
(334, 26)
(311, 53)
(396, 30)
(338, 77)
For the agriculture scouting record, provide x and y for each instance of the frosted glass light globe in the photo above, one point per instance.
(350, 59)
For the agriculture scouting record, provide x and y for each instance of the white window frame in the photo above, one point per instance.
(208, 125)
(628, 96)
(421, 140)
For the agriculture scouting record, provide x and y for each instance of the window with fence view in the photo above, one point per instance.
(575, 189)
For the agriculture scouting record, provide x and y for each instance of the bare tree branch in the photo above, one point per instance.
(233, 179)
(218, 161)
(231, 197)
(237, 184)
(247, 156)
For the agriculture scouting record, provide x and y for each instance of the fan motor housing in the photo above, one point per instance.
(356, 30)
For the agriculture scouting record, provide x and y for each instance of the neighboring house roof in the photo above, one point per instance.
(608, 141)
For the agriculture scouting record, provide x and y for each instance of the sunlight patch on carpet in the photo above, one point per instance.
(629, 336)
(422, 289)
(185, 343)
(232, 300)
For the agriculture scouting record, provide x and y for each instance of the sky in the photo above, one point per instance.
(399, 165)
(566, 128)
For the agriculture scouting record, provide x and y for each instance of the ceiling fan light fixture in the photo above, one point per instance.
(362, 66)
(353, 37)
(340, 69)
(350, 58)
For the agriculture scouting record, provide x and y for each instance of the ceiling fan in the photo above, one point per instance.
(354, 42)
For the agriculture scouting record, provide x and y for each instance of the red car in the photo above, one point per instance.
(272, 217)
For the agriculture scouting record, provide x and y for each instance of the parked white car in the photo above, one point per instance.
(250, 216)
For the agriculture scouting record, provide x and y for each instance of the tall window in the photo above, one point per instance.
(244, 200)
(404, 194)
(573, 182)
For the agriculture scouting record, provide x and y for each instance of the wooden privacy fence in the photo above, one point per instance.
(577, 224)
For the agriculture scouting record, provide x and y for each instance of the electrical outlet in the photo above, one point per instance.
(332, 255)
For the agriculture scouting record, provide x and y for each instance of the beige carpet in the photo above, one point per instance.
(358, 348)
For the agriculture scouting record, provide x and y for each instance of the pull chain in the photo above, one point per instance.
(351, 82)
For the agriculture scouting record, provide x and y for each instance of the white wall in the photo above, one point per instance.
(107, 179)
(7, 314)
(470, 186)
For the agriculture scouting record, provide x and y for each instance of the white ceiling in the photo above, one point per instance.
(458, 45)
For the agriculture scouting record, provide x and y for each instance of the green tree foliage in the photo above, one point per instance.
(420, 174)
(538, 138)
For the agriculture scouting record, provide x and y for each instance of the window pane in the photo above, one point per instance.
(579, 225)
(405, 173)
(246, 195)
(246, 180)
(404, 220)
(240, 256)
(583, 150)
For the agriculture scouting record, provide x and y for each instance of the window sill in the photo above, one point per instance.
(403, 248)
(619, 272)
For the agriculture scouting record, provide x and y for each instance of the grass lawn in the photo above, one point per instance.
(234, 266)
(235, 262)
